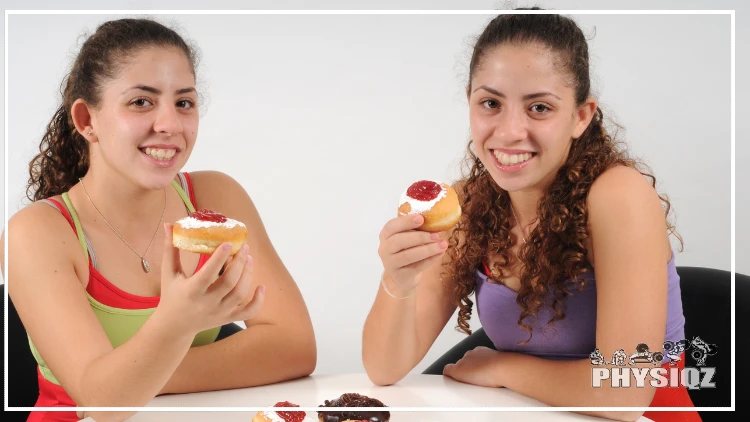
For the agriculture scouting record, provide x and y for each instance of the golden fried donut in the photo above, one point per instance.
(436, 201)
(203, 231)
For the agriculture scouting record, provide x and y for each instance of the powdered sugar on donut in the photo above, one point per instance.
(273, 416)
(194, 223)
(418, 206)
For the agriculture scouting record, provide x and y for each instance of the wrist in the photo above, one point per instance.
(170, 329)
(395, 290)
(499, 368)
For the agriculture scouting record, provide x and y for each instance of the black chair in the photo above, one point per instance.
(23, 388)
(705, 301)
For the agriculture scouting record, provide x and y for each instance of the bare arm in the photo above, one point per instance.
(45, 264)
(627, 226)
(279, 342)
(399, 332)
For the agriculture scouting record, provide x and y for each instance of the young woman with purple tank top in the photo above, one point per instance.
(563, 240)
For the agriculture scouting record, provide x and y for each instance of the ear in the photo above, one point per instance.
(81, 114)
(584, 114)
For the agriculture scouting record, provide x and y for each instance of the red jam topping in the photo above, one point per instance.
(424, 190)
(289, 416)
(208, 215)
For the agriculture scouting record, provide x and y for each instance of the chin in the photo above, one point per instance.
(157, 181)
(511, 183)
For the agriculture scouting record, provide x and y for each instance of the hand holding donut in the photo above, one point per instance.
(411, 243)
(203, 301)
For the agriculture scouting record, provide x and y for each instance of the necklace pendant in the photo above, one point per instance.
(145, 265)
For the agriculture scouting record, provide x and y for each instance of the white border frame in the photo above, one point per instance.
(385, 12)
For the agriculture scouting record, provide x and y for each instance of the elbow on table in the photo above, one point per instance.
(380, 380)
(304, 358)
(381, 377)
(308, 360)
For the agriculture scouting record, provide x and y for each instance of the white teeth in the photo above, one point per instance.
(160, 154)
(511, 159)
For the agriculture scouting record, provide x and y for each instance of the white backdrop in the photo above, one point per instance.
(326, 119)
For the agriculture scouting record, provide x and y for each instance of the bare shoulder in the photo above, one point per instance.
(618, 186)
(214, 185)
(622, 204)
(41, 224)
(41, 230)
(220, 192)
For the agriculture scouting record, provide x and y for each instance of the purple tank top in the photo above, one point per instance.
(574, 337)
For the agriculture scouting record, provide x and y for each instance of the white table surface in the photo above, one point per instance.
(413, 391)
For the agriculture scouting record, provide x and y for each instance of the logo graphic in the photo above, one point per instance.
(690, 377)
(701, 350)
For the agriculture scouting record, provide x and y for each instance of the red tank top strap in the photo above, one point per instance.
(190, 188)
(64, 212)
(204, 257)
(487, 270)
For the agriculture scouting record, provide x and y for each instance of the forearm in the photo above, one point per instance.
(567, 384)
(261, 354)
(390, 339)
(132, 374)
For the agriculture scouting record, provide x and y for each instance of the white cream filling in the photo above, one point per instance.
(417, 206)
(194, 223)
(510, 159)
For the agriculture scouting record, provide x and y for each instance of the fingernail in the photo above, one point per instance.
(166, 228)
(245, 248)
(227, 247)
(249, 260)
(417, 219)
(262, 289)
(443, 244)
(435, 236)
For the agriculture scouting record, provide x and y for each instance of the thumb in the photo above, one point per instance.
(249, 310)
(448, 369)
(170, 264)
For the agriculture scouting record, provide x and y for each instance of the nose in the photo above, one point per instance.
(168, 121)
(511, 125)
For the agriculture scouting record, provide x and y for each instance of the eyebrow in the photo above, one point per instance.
(525, 97)
(156, 91)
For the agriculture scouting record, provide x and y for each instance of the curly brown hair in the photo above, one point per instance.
(554, 259)
(63, 153)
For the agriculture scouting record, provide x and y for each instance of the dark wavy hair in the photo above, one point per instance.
(556, 250)
(63, 153)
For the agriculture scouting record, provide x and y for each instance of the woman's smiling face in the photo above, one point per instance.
(523, 115)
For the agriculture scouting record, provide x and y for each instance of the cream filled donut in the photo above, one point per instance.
(203, 231)
(282, 415)
(436, 201)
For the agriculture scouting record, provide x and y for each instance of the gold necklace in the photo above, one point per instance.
(144, 263)
(518, 222)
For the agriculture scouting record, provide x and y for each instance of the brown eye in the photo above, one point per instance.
(141, 102)
(490, 104)
(186, 104)
(540, 108)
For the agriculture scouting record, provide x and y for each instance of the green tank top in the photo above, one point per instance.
(119, 324)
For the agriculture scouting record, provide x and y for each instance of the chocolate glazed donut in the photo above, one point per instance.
(353, 400)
